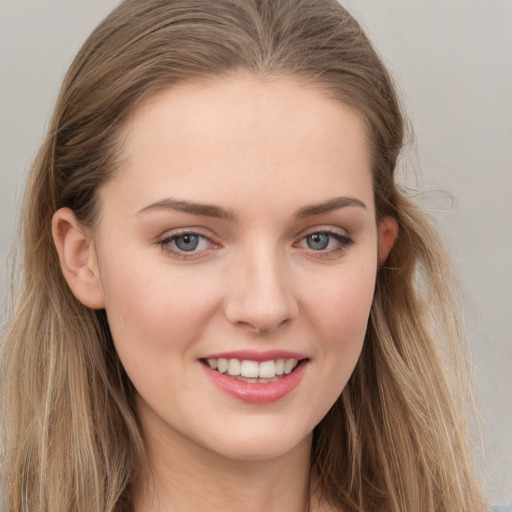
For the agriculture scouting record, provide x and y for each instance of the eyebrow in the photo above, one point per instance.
(329, 206)
(208, 210)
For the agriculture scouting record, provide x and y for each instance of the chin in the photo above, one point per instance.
(265, 444)
(257, 453)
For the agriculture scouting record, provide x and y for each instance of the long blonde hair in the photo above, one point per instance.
(396, 439)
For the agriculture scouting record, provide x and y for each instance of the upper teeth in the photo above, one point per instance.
(253, 369)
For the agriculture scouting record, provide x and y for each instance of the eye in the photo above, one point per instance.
(186, 244)
(325, 242)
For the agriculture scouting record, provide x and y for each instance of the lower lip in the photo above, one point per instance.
(257, 393)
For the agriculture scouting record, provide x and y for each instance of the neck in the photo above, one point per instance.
(183, 476)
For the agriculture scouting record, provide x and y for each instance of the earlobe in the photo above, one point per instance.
(77, 257)
(388, 232)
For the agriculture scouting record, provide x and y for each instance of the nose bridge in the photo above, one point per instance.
(261, 292)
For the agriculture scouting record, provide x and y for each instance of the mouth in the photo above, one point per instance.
(254, 372)
(255, 377)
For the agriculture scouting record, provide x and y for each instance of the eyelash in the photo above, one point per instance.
(166, 244)
(343, 239)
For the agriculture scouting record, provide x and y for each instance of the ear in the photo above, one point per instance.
(77, 256)
(388, 231)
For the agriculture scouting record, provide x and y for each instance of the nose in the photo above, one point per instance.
(261, 295)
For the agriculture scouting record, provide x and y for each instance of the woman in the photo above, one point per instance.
(228, 302)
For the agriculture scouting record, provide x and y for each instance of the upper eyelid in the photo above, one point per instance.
(175, 233)
(341, 234)
(324, 229)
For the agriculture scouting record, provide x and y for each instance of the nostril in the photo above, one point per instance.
(269, 325)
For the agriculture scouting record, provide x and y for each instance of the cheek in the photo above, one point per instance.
(338, 313)
(342, 305)
(148, 307)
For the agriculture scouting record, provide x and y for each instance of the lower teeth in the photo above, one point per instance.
(255, 381)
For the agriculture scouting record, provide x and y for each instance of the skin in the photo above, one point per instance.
(262, 151)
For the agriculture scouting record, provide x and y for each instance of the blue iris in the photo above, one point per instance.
(187, 243)
(318, 241)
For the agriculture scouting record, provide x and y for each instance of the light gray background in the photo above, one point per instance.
(452, 60)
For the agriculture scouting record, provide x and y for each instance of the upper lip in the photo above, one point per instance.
(255, 355)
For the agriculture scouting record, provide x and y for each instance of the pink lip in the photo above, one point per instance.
(259, 393)
(254, 355)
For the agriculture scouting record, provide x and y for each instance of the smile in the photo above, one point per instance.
(247, 370)
(257, 378)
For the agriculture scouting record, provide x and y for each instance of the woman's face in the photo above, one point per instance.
(239, 234)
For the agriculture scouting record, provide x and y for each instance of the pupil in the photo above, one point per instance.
(187, 242)
(318, 241)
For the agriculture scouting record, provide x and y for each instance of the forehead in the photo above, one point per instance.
(251, 136)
